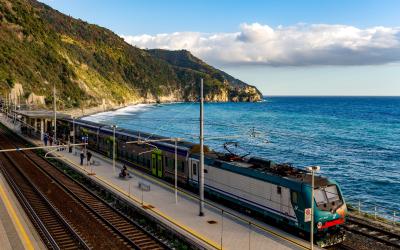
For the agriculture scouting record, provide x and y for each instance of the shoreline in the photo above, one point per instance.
(80, 113)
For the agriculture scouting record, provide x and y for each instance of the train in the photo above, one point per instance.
(278, 193)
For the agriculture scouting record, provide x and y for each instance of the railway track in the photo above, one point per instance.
(94, 223)
(372, 231)
(53, 229)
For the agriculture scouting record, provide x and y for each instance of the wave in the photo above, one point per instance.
(126, 111)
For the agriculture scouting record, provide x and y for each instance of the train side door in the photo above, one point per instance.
(154, 164)
(285, 200)
(157, 163)
(194, 170)
(159, 166)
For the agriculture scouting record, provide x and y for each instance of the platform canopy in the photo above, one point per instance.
(40, 114)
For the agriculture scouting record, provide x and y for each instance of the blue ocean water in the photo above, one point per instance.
(355, 140)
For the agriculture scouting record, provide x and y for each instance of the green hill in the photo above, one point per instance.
(90, 65)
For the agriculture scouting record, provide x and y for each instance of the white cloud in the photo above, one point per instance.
(301, 44)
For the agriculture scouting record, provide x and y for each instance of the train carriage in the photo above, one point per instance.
(278, 192)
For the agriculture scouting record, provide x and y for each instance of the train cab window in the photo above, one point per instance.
(332, 193)
(279, 190)
(194, 168)
(182, 167)
(319, 196)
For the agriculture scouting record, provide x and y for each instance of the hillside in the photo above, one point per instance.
(90, 65)
(183, 61)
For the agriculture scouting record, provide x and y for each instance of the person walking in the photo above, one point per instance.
(89, 156)
(82, 155)
(45, 139)
(51, 140)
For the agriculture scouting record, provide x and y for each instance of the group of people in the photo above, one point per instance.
(84, 154)
(48, 138)
(88, 157)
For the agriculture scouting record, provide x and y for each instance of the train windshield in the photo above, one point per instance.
(332, 193)
(327, 198)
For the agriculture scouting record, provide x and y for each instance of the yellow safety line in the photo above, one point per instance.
(11, 211)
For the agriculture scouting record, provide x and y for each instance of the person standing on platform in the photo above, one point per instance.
(51, 140)
(89, 156)
(82, 155)
(45, 139)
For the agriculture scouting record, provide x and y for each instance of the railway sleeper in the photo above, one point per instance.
(126, 228)
(150, 245)
(141, 239)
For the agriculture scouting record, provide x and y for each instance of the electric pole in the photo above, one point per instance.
(55, 113)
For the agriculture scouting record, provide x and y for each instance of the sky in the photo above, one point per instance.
(286, 47)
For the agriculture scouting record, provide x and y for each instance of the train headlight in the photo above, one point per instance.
(319, 225)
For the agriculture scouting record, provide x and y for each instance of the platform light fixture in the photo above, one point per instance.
(312, 169)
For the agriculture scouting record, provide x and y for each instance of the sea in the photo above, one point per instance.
(355, 140)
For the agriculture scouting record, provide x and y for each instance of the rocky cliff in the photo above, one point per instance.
(90, 65)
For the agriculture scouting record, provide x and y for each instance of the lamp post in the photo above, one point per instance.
(176, 171)
(114, 127)
(55, 114)
(312, 169)
(201, 170)
(73, 135)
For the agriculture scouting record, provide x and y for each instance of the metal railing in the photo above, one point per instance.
(374, 211)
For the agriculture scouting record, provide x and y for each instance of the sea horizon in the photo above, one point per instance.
(331, 95)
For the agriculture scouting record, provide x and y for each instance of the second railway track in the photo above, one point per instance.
(88, 221)
(373, 231)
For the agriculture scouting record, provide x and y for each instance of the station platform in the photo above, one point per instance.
(16, 230)
(219, 228)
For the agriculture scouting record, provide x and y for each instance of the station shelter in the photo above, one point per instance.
(35, 123)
